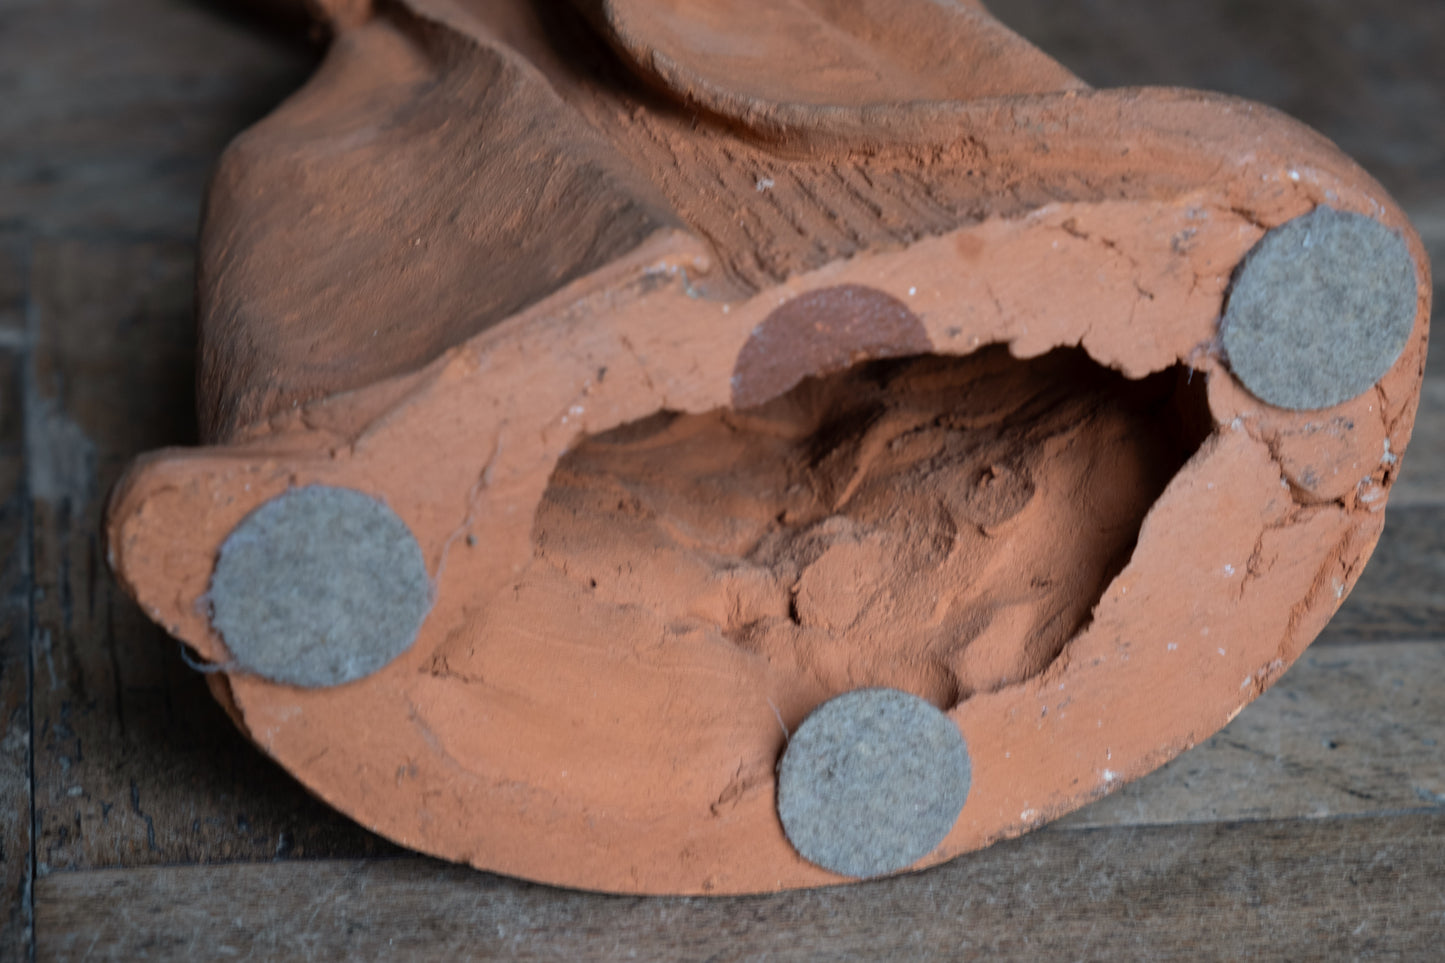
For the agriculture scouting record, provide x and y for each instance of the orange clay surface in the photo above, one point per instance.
(716, 378)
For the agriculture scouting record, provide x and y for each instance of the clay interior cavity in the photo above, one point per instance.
(940, 525)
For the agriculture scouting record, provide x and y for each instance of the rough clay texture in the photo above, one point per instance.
(911, 523)
(667, 336)
(871, 782)
(318, 587)
(1321, 309)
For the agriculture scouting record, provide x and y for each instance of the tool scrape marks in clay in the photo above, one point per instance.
(319, 586)
(872, 782)
(1321, 310)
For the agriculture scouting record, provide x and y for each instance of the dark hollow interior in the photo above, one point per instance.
(943, 525)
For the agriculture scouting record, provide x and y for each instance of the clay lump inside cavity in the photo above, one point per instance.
(319, 586)
(938, 525)
(872, 782)
(1321, 310)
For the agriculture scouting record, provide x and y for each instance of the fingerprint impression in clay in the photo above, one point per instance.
(938, 525)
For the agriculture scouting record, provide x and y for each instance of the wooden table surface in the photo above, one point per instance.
(136, 823)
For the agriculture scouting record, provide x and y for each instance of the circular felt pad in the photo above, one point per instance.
(319, 586)
(1321, 310)
(872, 782)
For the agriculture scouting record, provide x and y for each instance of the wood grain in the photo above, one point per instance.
(1348, 730)
(1288, 890)
(114, 113)
(1422, 472)
(1368, 77)
(1354, 730)
(1401, 594)
(15, 802)
(14, 264)
(135, 763)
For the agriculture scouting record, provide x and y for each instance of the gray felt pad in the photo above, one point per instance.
(872, 782)
(1320, 310)
(319, 586)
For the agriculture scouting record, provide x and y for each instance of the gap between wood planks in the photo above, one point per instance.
(1337, 888)
(1321, 808)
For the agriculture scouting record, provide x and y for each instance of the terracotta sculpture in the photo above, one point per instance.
(727, 445)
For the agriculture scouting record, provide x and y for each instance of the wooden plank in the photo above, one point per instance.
(114, 113)
(1422, 470)
(112, 139)
(1328, 889)
(14, 268)
(15, 800)
(1401, 594)
(1371, 81)
(1349, 729)
(134, 762)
